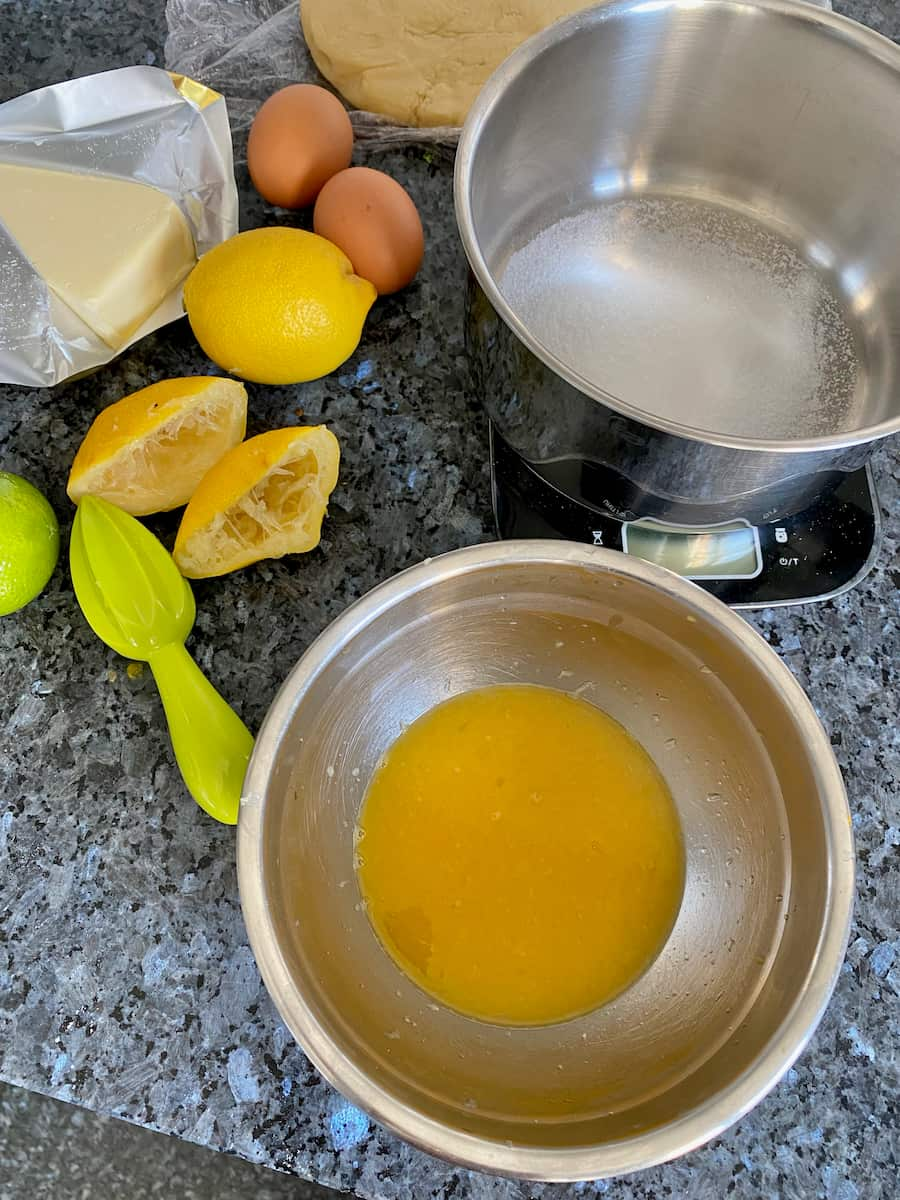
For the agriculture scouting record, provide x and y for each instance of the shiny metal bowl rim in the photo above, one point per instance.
(843, 28)
(578, 1163)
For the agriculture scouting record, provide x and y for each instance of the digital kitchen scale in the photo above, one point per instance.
(813, 555)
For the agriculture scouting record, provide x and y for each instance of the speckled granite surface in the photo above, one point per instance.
(50, 1150)
(126, 982)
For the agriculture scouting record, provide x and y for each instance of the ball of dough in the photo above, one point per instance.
(420, 62)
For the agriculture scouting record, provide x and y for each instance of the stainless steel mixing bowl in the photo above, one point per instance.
(742, 157)
(753, 956)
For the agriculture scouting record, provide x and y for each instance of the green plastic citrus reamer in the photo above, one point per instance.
(137, 602)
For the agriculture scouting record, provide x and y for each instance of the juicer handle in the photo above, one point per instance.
(212, 744)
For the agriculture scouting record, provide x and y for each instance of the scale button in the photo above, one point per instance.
(781, 535)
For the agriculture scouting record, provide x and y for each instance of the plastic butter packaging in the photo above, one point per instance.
(111, 187)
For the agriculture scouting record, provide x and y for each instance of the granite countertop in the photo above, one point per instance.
(126, 981)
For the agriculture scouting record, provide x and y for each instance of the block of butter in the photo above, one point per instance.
(110, 188)
(112, 249)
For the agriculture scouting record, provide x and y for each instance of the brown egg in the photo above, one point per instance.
(299, 138)
(374, 221)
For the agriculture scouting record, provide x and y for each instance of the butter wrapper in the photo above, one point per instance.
(111, 187)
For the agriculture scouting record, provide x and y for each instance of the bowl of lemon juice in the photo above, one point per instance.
(546, 860)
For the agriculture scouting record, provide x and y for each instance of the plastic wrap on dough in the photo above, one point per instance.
(247, 49)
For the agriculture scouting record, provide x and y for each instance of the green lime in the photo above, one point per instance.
(29, 542)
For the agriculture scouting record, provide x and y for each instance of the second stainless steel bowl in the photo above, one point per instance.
(751, 961)
(743, 158)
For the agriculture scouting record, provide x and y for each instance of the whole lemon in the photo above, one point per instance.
(277, 305)
(29, 542)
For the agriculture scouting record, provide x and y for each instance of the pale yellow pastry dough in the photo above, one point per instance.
(421, 62)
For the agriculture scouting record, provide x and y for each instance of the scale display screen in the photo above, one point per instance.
(728, 551)
(810, 555)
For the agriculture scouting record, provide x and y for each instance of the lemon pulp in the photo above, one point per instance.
(519, 855)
